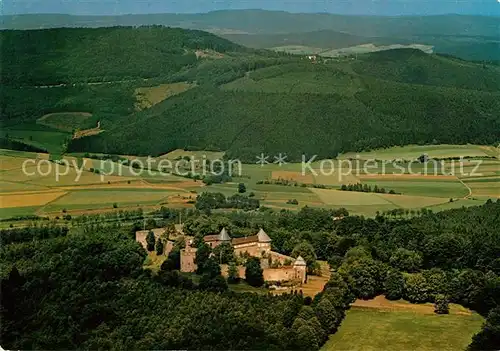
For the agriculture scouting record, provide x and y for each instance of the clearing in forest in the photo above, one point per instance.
(372, 328)
(149, 96)
(66, 121)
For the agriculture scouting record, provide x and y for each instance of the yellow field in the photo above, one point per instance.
(407, 201)
(91, 197)
(91, 193)
(9, 163)
(9, 187)
(198, 155)
(150, 96)
(28, 200)
(352, 198)
(336, 179)
(485, 188)
(346, 198)
(293, 176)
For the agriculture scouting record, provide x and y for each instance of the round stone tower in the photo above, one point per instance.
(300, 268)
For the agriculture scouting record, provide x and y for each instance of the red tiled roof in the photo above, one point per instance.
(247, 240)
(208, 238)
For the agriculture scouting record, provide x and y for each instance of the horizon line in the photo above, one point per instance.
(248, 9)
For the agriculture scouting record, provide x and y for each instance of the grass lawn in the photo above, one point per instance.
(243, 287)
(369, 329)
(153, 261)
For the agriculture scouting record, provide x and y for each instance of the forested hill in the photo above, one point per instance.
(396, 98)
(241, 100)
(468, 37)
(55, 56)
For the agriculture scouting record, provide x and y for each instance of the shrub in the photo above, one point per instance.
(441, 304)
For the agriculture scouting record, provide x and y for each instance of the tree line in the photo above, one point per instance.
(210, 201)
(365, 188)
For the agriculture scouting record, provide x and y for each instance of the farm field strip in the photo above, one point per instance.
(382, 303)
(432, 188)
(19, 187)
(417, 190)
(407, 201)
(341, 198)
(410, 152)
(29, 200)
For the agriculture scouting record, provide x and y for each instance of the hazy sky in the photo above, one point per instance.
(368, 7)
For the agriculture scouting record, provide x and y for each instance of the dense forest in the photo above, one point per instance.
(468, 37)
(246, 123)
(87, 288)
(56, 56)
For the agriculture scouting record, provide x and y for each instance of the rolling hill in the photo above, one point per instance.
(468, 37)
(244, 101)
(53, 56)
(273, 22)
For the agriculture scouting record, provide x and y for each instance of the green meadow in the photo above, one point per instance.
(374, 330)
(95, 199)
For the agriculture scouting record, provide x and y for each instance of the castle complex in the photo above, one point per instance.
(259, 245)
(276, 267)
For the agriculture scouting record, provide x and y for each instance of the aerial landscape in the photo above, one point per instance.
(307, 175)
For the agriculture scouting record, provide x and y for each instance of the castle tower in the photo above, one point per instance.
(187, 259)
(224, 236)
(264, 241)
(300, 267)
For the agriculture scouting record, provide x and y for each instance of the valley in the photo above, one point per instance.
(249, 180)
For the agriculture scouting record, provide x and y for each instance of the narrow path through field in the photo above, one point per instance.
(468, 188)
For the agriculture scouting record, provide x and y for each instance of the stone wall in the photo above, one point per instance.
(280, 274)
(252, 249)
(224, 268)
(288, 273)
(277, 257)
